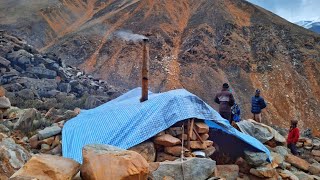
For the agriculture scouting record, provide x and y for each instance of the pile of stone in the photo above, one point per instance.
(38, 132)
(191, 133)
(43, 81)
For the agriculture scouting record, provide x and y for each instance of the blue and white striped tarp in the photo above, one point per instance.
(125, 122)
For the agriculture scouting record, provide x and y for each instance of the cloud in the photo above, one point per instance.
(292, 10)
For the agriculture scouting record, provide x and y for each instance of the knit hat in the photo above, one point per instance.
(294, 122)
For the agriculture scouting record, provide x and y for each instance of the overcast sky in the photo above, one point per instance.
(292, 10)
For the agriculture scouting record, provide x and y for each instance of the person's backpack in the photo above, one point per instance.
(235, 110)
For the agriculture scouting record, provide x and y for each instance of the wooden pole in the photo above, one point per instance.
(198, 136)
(188, 137)
(190, 124)
(145, 70)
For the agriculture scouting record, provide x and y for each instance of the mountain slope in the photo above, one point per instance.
(196, 45)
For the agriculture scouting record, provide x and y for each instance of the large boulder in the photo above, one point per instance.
(146, 150)
(189, 169)
(303, 176)
(255, 159)
(4, 103)
(25, 122)
(48, 167)
(286, 174)
(26, 94)
(230, 172)
(260, 131)
(92, 102)
(41, 72)
(64, 87)
(37, 84)
(277, 159)
(281, 150)
(297, 162)
(243, 165)
(48, 132)
(4, 129)
(314, 168)
(109, 163)
(12, 156)
(315, 153)
(161, 156)
(4, 62)
(167, 140)
(264, 172)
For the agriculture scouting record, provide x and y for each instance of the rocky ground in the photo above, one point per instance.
(42, 81)
(45, 93)
(194, 44)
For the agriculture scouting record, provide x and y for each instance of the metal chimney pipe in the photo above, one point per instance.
(145, 70)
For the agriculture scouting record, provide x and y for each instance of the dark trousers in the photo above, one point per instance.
(226, 115)
(293, 148)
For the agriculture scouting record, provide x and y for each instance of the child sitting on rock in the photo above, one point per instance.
(4, 102)
(293, 137)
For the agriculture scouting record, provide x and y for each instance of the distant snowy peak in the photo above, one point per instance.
(311, 25)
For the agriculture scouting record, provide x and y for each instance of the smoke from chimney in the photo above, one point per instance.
(128, 36)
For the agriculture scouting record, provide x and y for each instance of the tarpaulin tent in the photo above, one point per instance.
(125, 122)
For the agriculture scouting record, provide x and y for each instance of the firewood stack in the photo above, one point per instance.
(193, 134)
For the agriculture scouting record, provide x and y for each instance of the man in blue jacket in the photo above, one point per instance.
(257, 104)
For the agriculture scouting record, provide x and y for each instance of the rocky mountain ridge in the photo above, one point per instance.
(42, 81)
(196, 45)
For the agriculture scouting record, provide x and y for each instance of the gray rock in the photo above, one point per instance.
(37, 84)
(316, 177)
(23, 62)
(48, 132)
(45, 147)
(8, 124)
(316, 143)
(49, 94)
(92, 102)
(50, 102)
(307, 133)
(281, 150)
(146, 150)
(15, 55)
(25, 122)
(64, 87)
(26, 94)
(314, 168)
(302, 175)
(68, 115)
(190, 169)
(287, 174)
(4, 102)
(8, 77)
(13, 156)
(264, 172)
(103, 149)
(42, 72)
(255, 159)
(14, 87)
(53, 66)
(4, 62)
(4, 129)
